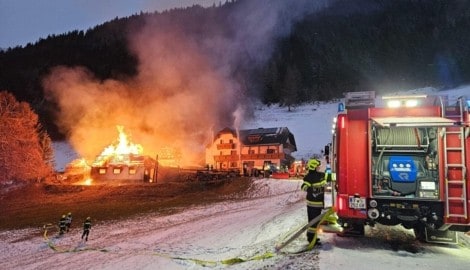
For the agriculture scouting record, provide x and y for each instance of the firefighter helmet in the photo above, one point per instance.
(313, 164)
(63, 216)
(88, 218)
(69, 213)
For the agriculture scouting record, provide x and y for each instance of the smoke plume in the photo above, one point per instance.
(188, 84)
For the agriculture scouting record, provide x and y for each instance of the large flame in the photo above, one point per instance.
(119, 152)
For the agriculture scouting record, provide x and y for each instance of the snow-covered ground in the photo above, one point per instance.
(216, 235)
(246, 232)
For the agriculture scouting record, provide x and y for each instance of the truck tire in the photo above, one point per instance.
(420, 232)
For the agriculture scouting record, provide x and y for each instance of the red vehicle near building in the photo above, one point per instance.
(405, 163)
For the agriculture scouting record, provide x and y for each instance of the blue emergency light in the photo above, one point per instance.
(341, 107)
(402, 169)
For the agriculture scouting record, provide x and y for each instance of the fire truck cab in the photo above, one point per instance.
(402, 160)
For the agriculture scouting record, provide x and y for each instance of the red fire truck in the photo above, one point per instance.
(402, 161)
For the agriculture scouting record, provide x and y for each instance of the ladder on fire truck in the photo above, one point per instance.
(454, 160)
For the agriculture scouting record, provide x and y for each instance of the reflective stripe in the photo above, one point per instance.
(320, 184)
(305, 185)
(315, 204)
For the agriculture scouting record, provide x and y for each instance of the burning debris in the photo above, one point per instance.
(169, 157)
(77, 171)
(121, 153)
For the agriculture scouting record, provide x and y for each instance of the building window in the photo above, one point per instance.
(251, 152)
(254, 138)
(102, 170)
(221, 141)
(132, 170)
(233, 153)
(233, 164)
(271, 151)
(231, 141)
(116, 170)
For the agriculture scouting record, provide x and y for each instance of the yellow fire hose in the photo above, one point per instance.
(323, 217)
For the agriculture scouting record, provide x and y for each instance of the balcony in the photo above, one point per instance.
(263, 156)
(232, 158)
(224, 158)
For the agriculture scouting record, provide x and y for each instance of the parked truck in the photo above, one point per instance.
(402, 160)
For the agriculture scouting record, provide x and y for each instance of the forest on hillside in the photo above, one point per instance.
(310, 52)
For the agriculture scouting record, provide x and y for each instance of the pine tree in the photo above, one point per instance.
(291, 87)
(25, 150)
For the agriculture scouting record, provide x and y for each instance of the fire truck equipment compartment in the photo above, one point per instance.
(402, 169)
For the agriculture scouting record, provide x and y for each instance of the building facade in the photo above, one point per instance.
(251, 150)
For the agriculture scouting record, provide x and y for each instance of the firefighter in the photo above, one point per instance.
(314, 183)
(62, 225)
(86, 228)
(68, 221)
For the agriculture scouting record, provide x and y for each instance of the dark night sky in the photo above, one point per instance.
(24, 21)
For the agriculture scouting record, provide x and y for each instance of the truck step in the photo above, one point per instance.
(458, 182)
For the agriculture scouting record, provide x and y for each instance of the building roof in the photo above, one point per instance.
(263, 136)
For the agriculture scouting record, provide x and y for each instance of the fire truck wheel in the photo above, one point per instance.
(358, 229)
(354, 229)
(420, 233)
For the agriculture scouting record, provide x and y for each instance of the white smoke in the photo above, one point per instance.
(187, 84)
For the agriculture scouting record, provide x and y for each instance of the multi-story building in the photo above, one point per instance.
(251, 150)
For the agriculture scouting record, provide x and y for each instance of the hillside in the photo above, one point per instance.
(309, 51)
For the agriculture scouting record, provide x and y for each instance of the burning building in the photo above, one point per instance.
(123, 162)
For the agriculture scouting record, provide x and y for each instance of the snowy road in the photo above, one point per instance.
(214, 235)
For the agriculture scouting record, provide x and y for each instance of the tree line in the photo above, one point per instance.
(350, 45)
(371, 45)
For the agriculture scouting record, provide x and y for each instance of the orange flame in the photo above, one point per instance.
(120, 152)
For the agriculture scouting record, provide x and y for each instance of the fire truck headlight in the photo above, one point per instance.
(393, 103)
(411, 103)
(373, 213)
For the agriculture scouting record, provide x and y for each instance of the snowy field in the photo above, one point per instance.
(220, 235)
(233, 235)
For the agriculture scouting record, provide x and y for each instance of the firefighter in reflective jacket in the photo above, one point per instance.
(68, 221)
(86, 228)
(62, 225)
(314, 184)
